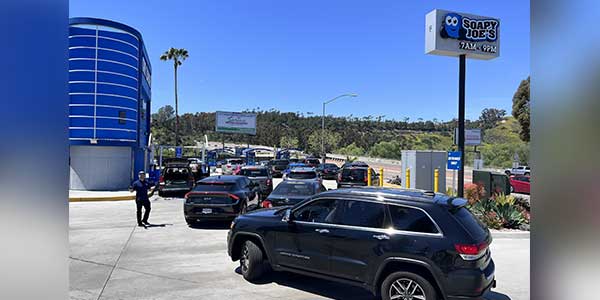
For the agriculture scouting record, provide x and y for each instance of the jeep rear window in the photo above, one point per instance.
(353, 174)
(475, 228)
(410, 219)
(255, 172)
(303, 175)
(175, 174)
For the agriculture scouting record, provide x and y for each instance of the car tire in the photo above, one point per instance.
(393, 283)
(252, 262)
(161, 194)
(527, 174)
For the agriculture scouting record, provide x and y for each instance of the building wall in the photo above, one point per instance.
(109, 89)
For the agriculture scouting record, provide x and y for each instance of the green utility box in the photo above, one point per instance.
(493, 182)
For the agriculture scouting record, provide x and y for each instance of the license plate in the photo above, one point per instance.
(207, 210)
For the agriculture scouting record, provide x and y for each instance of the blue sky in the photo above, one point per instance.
(293, 55)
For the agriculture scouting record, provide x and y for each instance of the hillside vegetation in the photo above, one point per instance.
(368, 136)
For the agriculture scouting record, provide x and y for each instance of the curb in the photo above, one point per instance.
(512, 234)
(90, 199)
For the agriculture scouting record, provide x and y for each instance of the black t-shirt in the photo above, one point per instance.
(141, 189)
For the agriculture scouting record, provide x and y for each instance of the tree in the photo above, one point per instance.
(490, 117)
(352, 150)
(288, 142)
(331, 141)
(177, 56)
(521, 109)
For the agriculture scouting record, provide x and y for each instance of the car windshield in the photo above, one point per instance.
(236, 161)
(255, 172)
(291, 189)
(214, 186)
(303, 175)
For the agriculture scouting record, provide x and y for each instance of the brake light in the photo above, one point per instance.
(366, 179)
(161, 178)
(267, 204)
(471, 252)
(234, 197)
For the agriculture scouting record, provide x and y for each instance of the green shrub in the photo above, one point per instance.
(500, 214)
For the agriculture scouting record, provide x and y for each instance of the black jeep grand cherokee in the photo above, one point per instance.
(399, 244)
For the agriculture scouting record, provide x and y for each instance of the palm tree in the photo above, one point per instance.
(177, 56)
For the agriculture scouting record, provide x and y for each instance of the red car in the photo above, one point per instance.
(520, 184)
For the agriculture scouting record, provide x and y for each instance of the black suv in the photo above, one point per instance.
(399, 244)
(353, 176)
(220, 197)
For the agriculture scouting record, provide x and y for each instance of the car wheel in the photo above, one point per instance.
(251, 261)
(161, 194)
(527, 174)
(405, 286)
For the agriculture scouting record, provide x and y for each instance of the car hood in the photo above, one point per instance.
(265, 213)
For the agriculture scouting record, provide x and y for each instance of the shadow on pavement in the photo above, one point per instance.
(495, 296)
(316, 286)
(211, 225)
(156, 225)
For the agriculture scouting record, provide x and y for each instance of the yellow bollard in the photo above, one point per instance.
(436, 180)
(407, 183)
(369, 177)
(380, 176)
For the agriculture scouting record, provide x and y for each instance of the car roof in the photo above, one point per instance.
(255, 167)
(224, 178)
(303, 169)
(394, 195)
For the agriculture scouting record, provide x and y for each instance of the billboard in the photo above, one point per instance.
(472, 137)
(452, 34)
(235, 122)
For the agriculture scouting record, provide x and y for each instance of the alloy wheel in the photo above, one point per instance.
(244, 261)
(406, 289)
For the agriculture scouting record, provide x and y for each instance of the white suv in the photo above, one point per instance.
(522, 170)
(231, 164)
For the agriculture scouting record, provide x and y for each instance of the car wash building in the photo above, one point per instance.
(109, 110)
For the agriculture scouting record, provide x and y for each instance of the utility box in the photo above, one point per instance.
(422, 165)
(493, 182)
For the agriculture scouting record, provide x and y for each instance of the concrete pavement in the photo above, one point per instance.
(112, 258)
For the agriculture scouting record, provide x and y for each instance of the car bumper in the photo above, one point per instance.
(210, 212)
(470, 284)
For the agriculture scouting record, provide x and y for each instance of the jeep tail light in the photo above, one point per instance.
(366, 179)
(267, 204)
(161, 178)
(234, 197)
(471, 252)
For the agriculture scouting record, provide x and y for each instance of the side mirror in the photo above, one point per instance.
(287, 216)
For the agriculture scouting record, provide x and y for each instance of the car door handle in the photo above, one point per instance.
(381, 237)
(322, 230)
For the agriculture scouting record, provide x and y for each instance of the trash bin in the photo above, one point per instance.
(494, 183)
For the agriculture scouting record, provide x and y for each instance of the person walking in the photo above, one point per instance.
(141, 188)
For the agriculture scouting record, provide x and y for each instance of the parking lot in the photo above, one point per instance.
(112, 258)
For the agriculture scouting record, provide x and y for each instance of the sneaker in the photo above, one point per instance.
(141, 225)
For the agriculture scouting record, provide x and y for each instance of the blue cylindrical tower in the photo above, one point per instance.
(109, 111)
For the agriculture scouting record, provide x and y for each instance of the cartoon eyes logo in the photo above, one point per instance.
(452, 25)
(451, 21)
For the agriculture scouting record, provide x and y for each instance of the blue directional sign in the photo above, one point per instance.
(453, 160)
(178, 152)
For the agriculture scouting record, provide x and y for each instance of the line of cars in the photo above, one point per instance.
(398, 244)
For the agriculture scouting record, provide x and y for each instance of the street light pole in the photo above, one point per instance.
(323, 121)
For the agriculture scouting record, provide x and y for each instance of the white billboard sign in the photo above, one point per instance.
(472, 137)
(235, 122)
(452, 34)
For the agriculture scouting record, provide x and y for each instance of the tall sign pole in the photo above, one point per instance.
(462, 59)
(464, 36)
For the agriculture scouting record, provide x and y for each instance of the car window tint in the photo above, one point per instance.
(303, 175)
(255, 172)
(320, 211)
(360, 213)
(410, 219)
